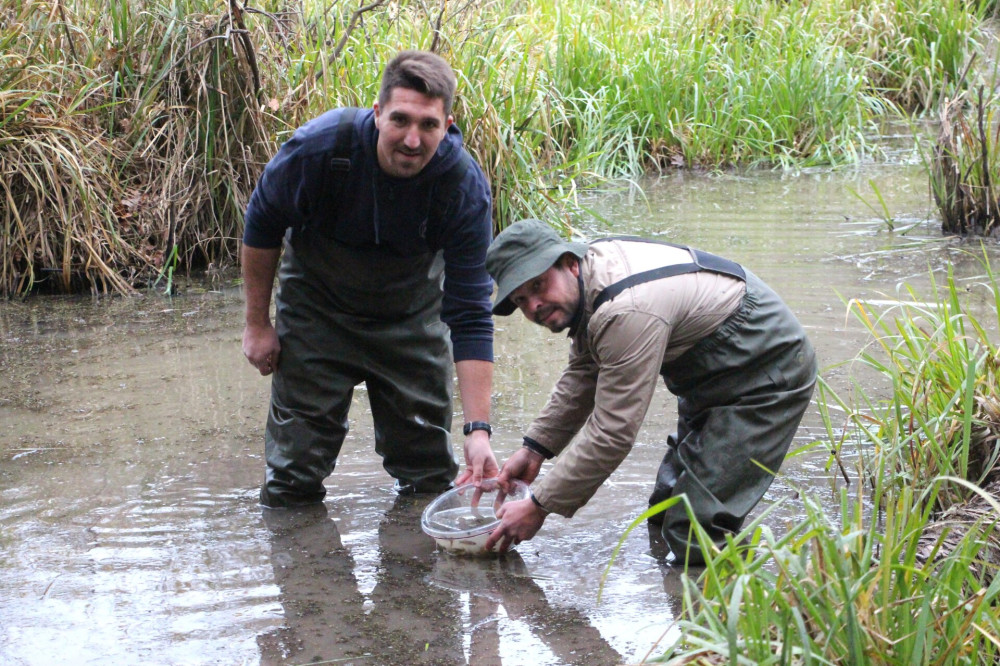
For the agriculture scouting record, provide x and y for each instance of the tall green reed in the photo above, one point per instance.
(188, 99)
(943, 367)
(841, 589)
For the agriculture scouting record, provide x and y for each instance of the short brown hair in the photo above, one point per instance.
(422, 71)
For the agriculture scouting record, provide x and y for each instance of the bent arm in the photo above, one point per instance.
(569, 404)
(465, 308)
(629, 349)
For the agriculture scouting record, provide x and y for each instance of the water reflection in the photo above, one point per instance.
(471, 610)
(326, 616)
(157, 571)
(504, 601)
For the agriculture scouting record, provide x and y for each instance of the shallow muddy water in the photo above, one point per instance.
(131, 453)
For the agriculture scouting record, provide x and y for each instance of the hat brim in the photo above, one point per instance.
(530, 269)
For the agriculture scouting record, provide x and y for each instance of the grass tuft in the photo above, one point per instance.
(965, 168)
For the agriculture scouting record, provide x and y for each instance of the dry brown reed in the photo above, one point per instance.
(119, 150)
(965, 168)
(58, 169)
(132, 133)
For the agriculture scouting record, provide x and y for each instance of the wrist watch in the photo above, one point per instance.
(477, 425)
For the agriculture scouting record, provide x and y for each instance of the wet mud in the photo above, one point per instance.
(131, 442)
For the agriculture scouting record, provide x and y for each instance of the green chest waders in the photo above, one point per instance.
(741, 393)
(346, 316)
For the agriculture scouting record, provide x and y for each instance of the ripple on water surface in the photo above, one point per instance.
(171, 574)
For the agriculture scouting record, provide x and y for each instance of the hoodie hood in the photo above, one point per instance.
(398, 210)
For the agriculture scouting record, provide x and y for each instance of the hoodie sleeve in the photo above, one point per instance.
(468, 287)
(276, 201)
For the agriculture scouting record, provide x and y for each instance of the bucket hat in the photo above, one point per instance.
(521, 252)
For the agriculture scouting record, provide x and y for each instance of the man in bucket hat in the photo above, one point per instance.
(725, 344)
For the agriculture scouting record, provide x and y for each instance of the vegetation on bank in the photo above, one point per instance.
(907, 572)
(131, 133)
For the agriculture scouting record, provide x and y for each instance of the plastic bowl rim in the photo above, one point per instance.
(459, 534)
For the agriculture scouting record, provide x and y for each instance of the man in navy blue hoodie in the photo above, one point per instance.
(381, 220)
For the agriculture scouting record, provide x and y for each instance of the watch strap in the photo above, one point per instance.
(477, 425)
(535, 501)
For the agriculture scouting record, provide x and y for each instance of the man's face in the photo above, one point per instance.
(551, 299)
(411, 125)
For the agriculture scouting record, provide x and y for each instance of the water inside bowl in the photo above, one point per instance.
(463, 519)
(467, 512)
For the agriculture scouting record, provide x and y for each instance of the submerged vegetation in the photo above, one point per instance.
(131, 133)
(907, 573)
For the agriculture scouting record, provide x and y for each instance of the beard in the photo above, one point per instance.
(557, 324)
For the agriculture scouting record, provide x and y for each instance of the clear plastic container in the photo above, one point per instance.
(462, 519)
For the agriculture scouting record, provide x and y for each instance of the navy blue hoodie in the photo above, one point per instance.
(302, 187)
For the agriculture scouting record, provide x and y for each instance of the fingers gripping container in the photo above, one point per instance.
(462, 519)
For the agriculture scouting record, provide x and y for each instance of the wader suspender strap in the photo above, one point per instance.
(444, 188)
(703, 261)
(341, 160)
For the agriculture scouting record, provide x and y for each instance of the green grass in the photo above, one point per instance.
(943, 367)
(840, 590)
